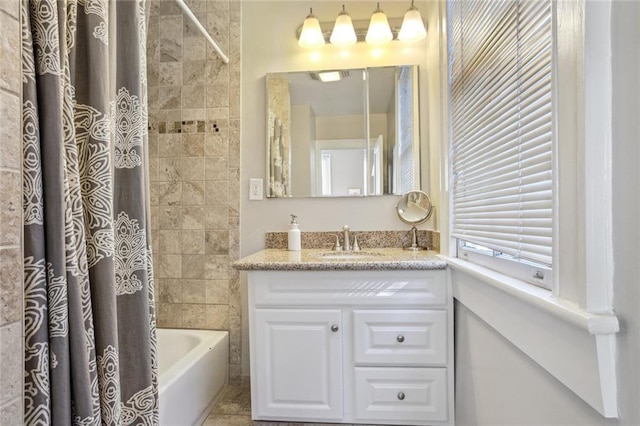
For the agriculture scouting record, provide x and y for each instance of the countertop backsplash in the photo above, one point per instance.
(366, 239)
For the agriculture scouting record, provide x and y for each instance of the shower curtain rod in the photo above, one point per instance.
(204, 32)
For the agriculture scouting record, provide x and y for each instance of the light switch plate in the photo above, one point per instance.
(256, 191)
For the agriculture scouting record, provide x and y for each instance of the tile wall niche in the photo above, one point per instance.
(11, 287)
(194, 139)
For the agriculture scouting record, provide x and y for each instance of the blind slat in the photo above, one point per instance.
(495, 100)
(517, 111)
(486, 165)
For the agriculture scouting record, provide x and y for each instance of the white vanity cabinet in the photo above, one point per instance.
(357, 346)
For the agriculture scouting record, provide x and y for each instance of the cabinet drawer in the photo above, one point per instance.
(401, 395)
(400, 337)
(363, 288)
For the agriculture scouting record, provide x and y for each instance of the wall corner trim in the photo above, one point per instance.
(561, 337)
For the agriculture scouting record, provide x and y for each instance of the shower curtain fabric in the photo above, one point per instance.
(90, 349)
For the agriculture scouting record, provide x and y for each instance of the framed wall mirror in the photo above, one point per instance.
(343, 133)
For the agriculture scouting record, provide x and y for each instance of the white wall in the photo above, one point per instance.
(626, 203)
(269, 45)
(496, 384)
(378, 124)
(330, 127)
(347, 170)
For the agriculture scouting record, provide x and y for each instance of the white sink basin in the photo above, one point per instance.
(350, 255)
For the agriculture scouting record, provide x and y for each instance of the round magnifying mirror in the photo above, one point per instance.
(414, 208)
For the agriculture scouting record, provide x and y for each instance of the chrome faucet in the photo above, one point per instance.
(347, 241)
(347, 244)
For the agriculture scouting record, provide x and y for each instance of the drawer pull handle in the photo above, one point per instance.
(400, 396)
(400, 338)
(334, 328)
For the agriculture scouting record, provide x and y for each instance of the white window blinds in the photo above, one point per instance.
(406, 137)
(502, 125)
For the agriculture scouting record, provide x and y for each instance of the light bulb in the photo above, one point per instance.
(343, 33)
(311, 34)
(412, 26)
(379, 31)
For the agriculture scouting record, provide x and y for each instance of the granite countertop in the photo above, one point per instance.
(326, 260)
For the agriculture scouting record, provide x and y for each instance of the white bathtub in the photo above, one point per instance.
(192, 369)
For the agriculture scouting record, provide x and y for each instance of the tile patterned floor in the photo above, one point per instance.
(233, 408)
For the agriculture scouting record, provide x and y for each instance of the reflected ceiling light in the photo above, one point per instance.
(329, 76)
(311, 35)
(379, 31)
(412, 26)
(343, 33)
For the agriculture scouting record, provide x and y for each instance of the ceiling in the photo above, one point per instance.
(344, 97)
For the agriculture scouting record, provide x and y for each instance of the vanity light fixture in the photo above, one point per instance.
(311, 35)
(343, 33)
(412, 26)
(379, 31)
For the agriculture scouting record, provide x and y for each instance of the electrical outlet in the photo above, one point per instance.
(256, 189)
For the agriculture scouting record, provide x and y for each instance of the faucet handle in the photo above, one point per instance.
(337, 247)
(355, 246)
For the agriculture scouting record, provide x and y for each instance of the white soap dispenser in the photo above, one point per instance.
(293, 235)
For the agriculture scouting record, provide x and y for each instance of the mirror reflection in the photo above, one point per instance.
(414, 207)
(343, 132)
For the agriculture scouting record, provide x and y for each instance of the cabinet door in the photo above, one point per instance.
(298, 363)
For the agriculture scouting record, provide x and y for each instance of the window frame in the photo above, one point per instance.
(576, 319)
(582, 240)
(533, 273)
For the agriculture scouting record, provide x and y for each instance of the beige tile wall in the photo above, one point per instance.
(11, 287)
(194, 120)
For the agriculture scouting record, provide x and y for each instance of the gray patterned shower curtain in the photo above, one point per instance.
(90, 351)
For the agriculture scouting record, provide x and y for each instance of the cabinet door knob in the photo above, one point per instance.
(400, 338)
(334, 328)
(400, 396)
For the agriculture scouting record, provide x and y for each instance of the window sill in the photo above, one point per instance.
(564, 339)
